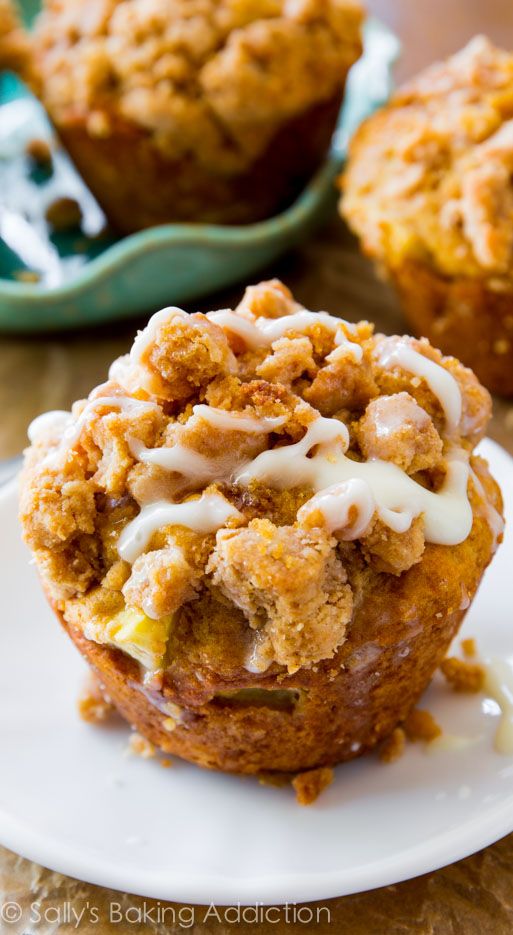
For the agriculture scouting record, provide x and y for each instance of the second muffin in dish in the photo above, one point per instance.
(429, 191)
(195, 110)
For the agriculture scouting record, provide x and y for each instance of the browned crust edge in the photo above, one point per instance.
(400, 633)
(463, 317)
(138, 187)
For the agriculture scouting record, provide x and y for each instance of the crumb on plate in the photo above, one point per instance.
(469, 647)
(93, 705)
(421, 725)
(463, 676)
(309, 785)
(139, 746)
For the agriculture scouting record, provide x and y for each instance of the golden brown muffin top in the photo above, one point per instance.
(429, 176)
(15, 49)
(216, 77)
(251, 457)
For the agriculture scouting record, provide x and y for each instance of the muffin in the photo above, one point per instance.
(15, 52)
(195, 110)
(263, 531)
(428, 191)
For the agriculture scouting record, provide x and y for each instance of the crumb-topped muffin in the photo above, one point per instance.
(264, 529)
(203, 110)
(428, 190)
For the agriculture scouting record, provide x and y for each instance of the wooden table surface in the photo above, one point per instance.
(473, 896)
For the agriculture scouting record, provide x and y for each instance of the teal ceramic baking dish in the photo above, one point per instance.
(86, 279)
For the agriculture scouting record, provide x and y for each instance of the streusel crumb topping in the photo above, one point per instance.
(429, 177)
(264, 461)
(213, 77)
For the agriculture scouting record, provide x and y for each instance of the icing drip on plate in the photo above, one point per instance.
(499, 685)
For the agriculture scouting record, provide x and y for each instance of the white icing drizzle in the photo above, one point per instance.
(499, 684)
(265, 331)
(335, 503)
(184, 460)
(207, 514)
(236, 324)
(399, 499)
(342, 486)
(465, 598)
(390, 413)
(49, 424)
(397, 520)
(122, 403)
(197, 467)
(398, 352)
(62, 425)
(238, 421)
(123, 372)
(493, 517)
(149, 333)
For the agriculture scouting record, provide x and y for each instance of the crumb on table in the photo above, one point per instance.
(93, 705)
(393, 746)
(309, 785)
(463, 676)
(64, 214)
(166, 764)
(421, 725)
(139, 746)
(469, 647)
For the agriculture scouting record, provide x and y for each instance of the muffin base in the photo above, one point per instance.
(138, 187)
(463, 317)
(399, 634)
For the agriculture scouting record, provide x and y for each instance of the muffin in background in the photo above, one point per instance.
(428, 190)
(195, 110)
(265, 529)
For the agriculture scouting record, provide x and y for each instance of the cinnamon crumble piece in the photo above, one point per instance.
(309, 785)
(140, 746)
(469, 647)
(463, 676)
(421, 725)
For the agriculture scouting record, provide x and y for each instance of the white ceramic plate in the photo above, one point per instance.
(71, 800)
